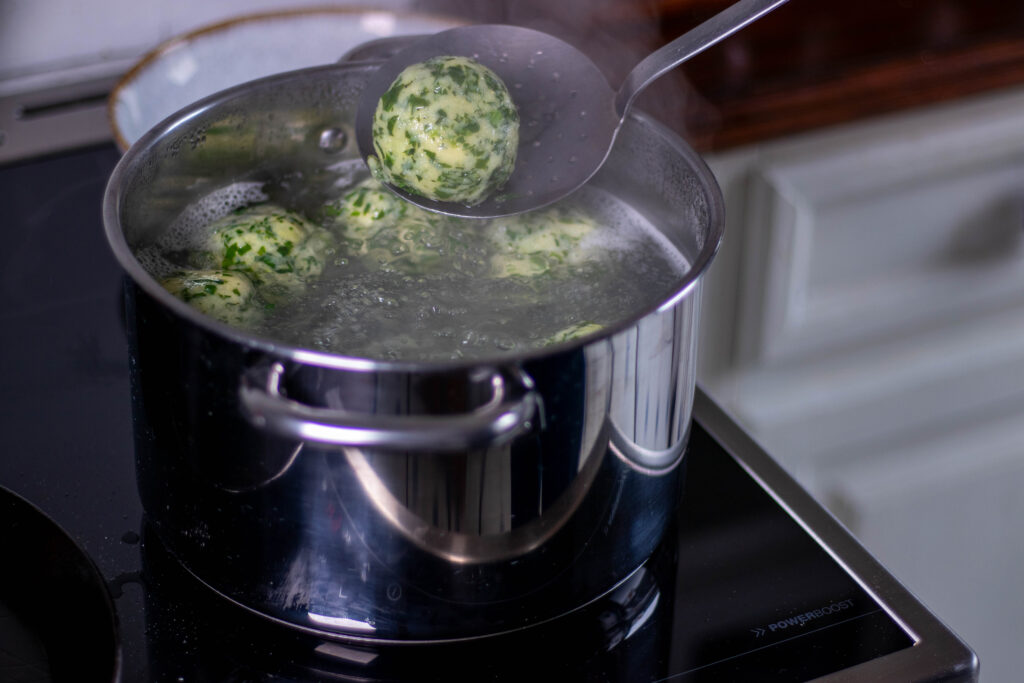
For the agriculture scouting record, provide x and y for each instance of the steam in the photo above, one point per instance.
(614, 34)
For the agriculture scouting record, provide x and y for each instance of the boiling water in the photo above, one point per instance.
(455, 309)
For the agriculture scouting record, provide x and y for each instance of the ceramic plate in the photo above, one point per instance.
(202, 62)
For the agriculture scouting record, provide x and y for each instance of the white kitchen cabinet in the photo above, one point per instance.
(865, 321)
(943, 514)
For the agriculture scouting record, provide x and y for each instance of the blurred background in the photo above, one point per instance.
(865, 318)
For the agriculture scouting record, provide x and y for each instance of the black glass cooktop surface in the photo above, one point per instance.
(754, 582)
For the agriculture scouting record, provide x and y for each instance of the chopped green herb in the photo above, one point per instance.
(447, 114)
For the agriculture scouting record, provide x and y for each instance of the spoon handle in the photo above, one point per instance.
(691, 43)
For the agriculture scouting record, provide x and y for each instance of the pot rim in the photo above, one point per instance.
(114, 195)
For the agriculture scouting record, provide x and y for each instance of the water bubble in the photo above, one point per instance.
(573, 160)
(583, 113)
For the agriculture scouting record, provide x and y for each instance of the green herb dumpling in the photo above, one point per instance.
(536, 243)
(223, 295)
(394, 235)
(446, 129)
(277, 249)
(366, 208)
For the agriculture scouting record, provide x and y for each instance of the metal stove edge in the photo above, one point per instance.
(938, 654)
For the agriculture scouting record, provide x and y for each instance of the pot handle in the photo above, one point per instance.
(507, 414)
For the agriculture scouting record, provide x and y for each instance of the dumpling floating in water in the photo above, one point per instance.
(276, 249)
(225, 296)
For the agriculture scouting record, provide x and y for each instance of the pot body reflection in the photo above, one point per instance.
(625, 635)
(413, 545)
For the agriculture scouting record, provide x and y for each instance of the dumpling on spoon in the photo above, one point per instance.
(447, 130)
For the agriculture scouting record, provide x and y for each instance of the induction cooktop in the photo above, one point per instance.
(754, 582)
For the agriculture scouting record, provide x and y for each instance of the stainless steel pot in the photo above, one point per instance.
(400, 501)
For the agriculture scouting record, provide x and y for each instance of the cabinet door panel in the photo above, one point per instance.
(882, 229)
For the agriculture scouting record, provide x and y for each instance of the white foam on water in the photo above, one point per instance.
(189, 230)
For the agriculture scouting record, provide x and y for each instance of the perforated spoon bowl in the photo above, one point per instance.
(569, 114)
